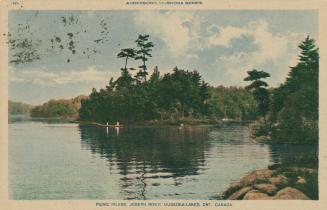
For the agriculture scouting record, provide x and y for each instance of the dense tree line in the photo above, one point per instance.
(292, 109)
(173, 96)
(165, 99)
(232, 103)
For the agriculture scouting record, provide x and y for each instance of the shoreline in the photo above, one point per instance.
(155, 122)
(183, 122)
(163, 123)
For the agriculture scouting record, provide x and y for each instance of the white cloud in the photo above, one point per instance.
(280, 50)
(177, 30)
(272, 46)
(44, 77)
(181, 32)
(224, 35)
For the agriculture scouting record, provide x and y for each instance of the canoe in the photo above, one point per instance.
(111, 126)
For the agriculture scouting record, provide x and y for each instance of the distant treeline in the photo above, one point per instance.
(18, 108)
(62, 108)
(232, 103)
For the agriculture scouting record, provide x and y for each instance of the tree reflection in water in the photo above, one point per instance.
(298, 155)
(144, 155)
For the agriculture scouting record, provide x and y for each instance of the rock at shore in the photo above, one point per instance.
(238, 195)
(256, 195)
(278, 184)
(289, 193)
(249, 180)
(279, 180)
(258, 175)
(266, 188)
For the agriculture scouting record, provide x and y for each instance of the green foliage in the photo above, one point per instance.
(232, 103)
(295, 103)
(172, 97)
(256, 75)
(58, 108)
(127, 53)
(309, 187)
(292, 125)
(175, 95)
(259, 128)
(258, 87)
(182, 91)
(293, 110)
(143, 53)
(18, 108)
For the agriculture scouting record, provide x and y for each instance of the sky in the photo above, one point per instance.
(221, 44)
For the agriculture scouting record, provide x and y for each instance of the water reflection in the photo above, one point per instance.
(156, 162)
(301, 155)
(51, 160)
(117, 130)
(144, 155)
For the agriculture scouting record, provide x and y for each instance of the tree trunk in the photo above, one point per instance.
(126, 63)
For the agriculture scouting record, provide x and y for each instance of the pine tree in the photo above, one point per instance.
(260, 92)
(295, 103)
(143, 53)
(127, 53)
(155, 75)
(125, 80)
(306, 71)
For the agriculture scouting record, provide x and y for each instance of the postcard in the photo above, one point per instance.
(157, 104)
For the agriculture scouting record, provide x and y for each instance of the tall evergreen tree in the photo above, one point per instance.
(125, 80)
(155, 75)
(143, 53)
(127, 53)
(305, 77)
(260, 92)
(295, 103)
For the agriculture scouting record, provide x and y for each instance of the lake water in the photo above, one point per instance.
(72, 161)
